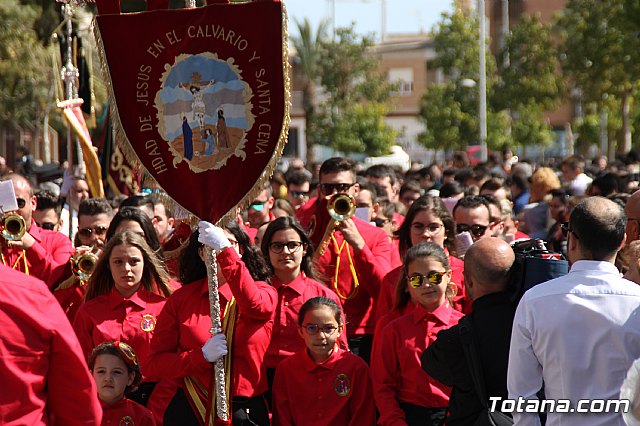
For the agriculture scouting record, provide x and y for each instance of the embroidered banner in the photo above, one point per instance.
(200, 98)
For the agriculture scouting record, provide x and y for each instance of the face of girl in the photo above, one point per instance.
(429, 295)
(425, 227)
(323, 322)
(112, 377)
(126, 264)
(288, 261)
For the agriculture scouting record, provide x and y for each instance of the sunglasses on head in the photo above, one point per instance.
(432, 278)
(330, 188)
(21, 202)
(257, 205)
(313, 329)
(98, 230)
(475, 230)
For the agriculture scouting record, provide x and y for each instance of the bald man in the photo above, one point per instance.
(487, 265)
(39, 253)
(632, 210)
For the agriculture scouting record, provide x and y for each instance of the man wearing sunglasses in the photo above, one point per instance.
(473, 214)
(39, 253)
(487, 265)
(259, 211)
(298, 188)
(580, 333)
(360, 252)
(47, 212)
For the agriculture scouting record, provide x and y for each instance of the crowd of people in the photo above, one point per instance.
(347, 296)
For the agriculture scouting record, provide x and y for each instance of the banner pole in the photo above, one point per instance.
(222, 409)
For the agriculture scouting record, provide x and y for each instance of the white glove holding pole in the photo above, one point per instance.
(215, 348)
(212, 236)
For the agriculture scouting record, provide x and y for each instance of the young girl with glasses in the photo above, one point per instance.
(322, 384)
(114, 367)
(403, 392)
(289, 253)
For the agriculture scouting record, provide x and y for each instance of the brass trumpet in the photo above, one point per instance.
(13, 226)
(341, 207)
(84, 265)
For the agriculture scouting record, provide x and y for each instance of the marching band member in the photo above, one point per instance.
(183, 347)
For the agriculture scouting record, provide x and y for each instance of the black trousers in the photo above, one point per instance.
(361, 345)
(245, 411)
(142, 394)
(416, 415)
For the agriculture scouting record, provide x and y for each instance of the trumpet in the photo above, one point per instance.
(341, 207)
(13, 226)
(84, 264)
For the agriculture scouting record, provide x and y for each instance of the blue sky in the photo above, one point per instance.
(402, 16)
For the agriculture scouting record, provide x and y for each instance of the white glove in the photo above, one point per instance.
(212, 236)
(215, 348)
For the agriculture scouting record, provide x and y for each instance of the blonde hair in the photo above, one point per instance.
(155, 277)
(543, 181)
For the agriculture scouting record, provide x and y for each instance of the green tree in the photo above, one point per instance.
(355, 93)
(25, 82)
(307, 45)
(601, 55)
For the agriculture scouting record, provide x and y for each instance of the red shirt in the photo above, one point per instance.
(183, 327)
(336, 392)
(387, 298)
(370, 265)
(47, 257)
(395, 368)
(71, 298)
(42, 368)
(285, 340)
(113, 317)
(126, 412)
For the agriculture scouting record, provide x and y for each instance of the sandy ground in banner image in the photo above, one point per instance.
(200, 160)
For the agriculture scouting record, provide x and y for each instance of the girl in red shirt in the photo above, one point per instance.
(289, 253)
(404, 393)
(125, 295)
(114, 367)
(322, 384)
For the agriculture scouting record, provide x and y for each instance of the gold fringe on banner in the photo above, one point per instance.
(133, 159)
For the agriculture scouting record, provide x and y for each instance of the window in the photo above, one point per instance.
(403, 79)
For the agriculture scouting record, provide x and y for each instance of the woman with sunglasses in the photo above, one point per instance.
(404, 393)
(427, 220)
(289, 253)
(183, 347)
(125, 295)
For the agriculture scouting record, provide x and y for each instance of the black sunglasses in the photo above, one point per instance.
(475, 230)
(432, 278)
(330, 188)
(566, 229)
(296, 194)
(49, 226)
(21, 202)
(99, 230)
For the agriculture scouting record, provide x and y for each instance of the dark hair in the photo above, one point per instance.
(112, 348)
(434, 205)
(450, 189)
(520, 181)
(48, 200)
(599, 224)
(319, 302)
(280, 224)
(192, 268)
(95, 206)
(608, 184)
(157, 200)
(492, 200)
(380, 171)
(296, 177)
(336, 165)
(371, 187)
(134, 214)
(419, 251)
(492, 184)
(155, 277)
(473, 202)
(410, 185)
(137, 201)
(561, 195)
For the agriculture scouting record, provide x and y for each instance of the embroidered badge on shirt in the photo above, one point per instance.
(127, 421)
(342, 385)
(148, 323)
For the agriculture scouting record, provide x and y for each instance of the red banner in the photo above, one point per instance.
(200, 98)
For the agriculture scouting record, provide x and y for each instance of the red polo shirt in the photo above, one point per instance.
(395, 368)
(285, 340)
(47, 257)
(183, 327)
(370, 267)
(71, 298)
(336, 392)
(44, 374)
(113, 317)
(126, 412)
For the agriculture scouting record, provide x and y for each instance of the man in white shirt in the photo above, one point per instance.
(574, 179)
(580, 333)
